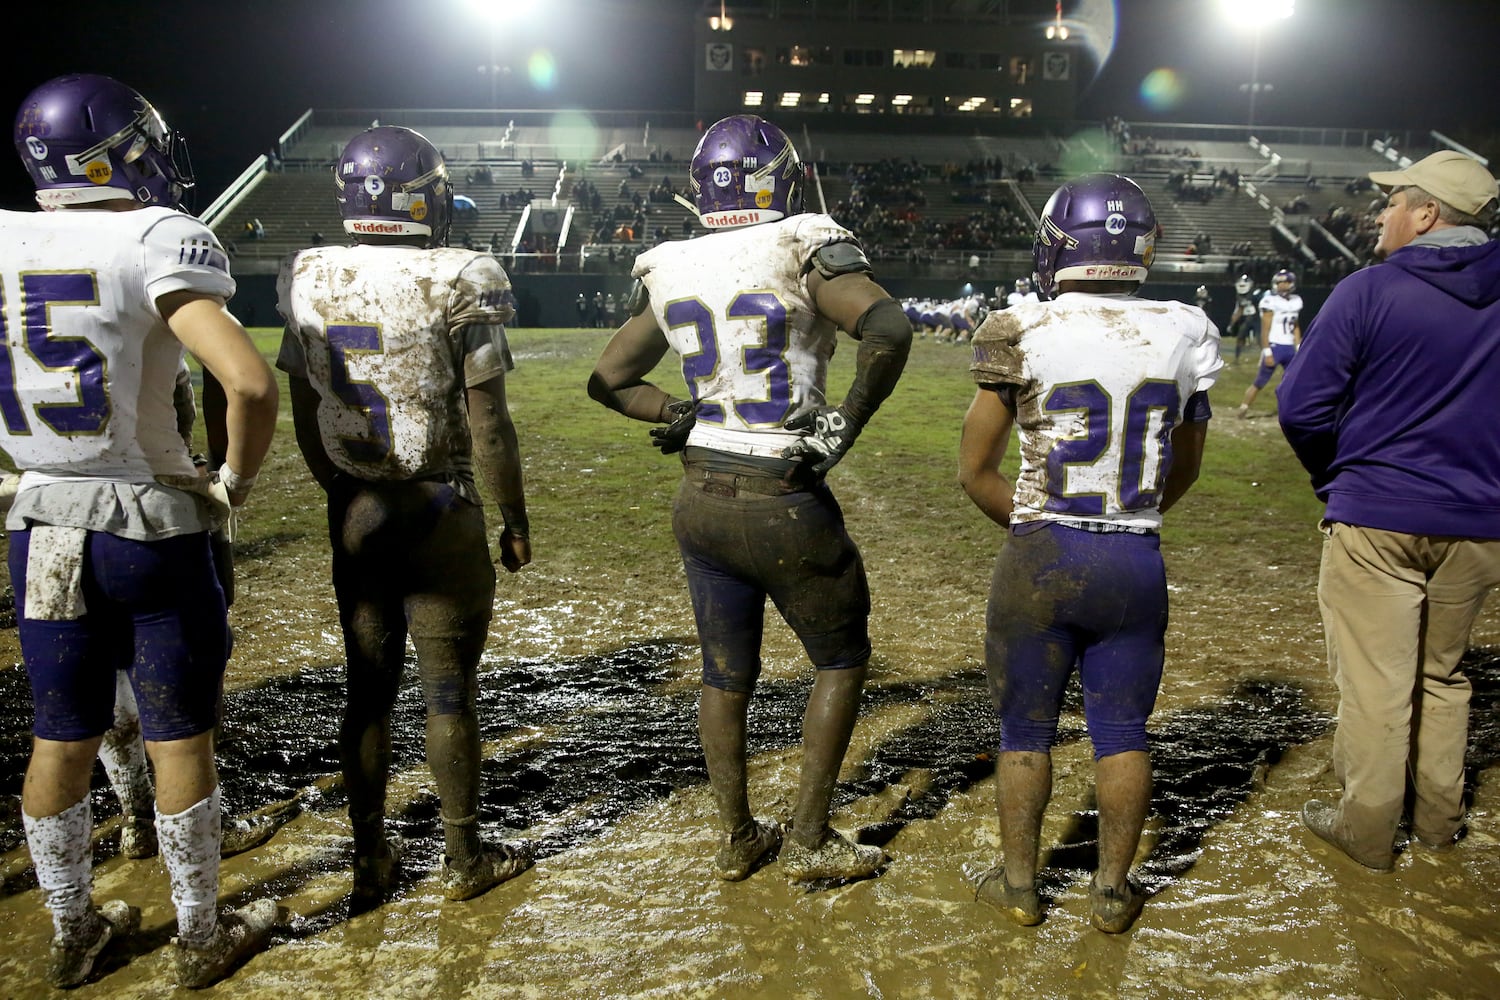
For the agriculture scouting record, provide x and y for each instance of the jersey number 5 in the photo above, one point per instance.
(40, 294)
(358, 394)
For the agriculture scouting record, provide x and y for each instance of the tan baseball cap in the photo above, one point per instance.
(1461, 181)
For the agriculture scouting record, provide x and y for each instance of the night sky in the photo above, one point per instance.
(233, 75)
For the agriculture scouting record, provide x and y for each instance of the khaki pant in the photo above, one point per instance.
(1397, 610)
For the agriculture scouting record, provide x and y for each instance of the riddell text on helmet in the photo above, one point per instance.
(379, 228)
(731, 218)
(1108, 271)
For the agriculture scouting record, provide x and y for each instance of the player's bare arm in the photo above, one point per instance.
(619, 377)
(497, 455)
(309, 437)
(986, 436)
(1266, 319)
(1187, 459)
(218, 340)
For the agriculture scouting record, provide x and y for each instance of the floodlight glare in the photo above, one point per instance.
(1253, 14)
(498, 12)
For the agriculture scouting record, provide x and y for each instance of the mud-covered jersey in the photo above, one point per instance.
(734, 304)
(89, 366)
(1284, 310)
(1099, 383)
(390, 337)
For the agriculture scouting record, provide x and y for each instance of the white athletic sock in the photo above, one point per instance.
(190, 847)
(124, 755)
(64, 869)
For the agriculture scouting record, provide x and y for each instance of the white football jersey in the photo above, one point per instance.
(390, 337)
(1100, 382)
(89, 366)
(734, 305)
(1284, 310)
(1017, 298)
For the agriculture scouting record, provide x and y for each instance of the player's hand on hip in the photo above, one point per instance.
(828, 432)
(515, 551)
(673, 437)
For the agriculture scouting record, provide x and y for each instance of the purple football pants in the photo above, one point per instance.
(1063, 597)
(739, 550)
(154, 609)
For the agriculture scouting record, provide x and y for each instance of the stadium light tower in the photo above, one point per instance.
(1254, 16)
(496, 14)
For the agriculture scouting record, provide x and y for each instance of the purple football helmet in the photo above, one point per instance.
(1099, 227)
(745, 170)
(1286, 276)
(88, 138)
(393, 183)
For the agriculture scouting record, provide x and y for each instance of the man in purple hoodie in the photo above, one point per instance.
(1390, 405)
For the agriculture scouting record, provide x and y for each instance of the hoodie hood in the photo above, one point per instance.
(1467, 272)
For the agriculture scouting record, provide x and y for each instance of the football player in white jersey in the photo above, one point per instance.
(1280, 332)
(1109, 395)
(1023, 293)
(396, 353)
(109, 544)
(753, 310)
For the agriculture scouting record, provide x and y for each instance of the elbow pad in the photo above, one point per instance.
(884, 335)
(841, 257)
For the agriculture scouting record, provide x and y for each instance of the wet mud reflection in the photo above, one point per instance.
(616, 732)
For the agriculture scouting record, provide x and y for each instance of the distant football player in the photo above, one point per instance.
(1023, 293)
(1244, 322)
(109, 531)
(753, 310)
(1280, 332)
(396, 352)
(1109, 394)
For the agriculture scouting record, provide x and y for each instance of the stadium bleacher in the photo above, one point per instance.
(1247, 224)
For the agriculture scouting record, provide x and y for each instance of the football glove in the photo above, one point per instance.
(831, 433)
(672, 438)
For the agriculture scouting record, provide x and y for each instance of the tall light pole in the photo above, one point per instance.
(496, 14)
(1254, 16)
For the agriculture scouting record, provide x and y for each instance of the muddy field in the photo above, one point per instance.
(588, 711)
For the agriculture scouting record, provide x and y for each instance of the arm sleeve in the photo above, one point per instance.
(998, 359)
(179, 254)
(478, 313)
(884, 335)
